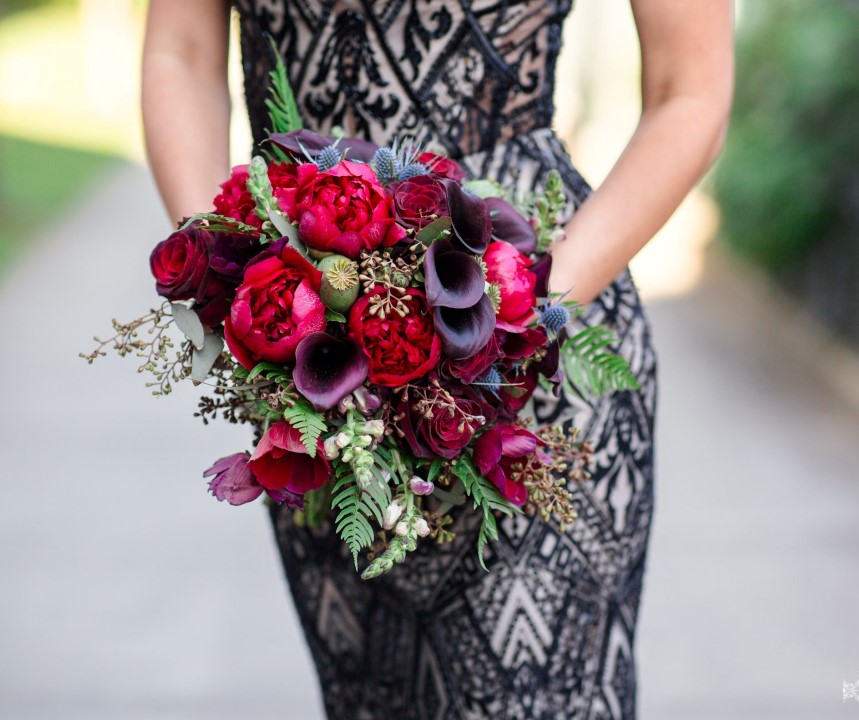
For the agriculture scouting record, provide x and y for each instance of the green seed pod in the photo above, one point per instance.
(340, 285)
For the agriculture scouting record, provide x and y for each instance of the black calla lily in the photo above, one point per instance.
(328, 369)
(471, 224)
(464, 331)
(452, 278)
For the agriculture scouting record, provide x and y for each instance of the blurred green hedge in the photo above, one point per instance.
(788, 180)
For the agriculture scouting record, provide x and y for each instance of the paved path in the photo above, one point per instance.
(127, 593)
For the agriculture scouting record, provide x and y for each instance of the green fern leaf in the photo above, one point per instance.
(282, 109)
(353, 510)
(308, 422)
(591, 368)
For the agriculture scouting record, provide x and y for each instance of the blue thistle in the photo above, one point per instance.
(554, 317)
(387, 165)
(492, 380)
(328, 157)
(413, 170)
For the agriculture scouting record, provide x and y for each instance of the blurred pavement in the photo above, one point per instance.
(127, 593)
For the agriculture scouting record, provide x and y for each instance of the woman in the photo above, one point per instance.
(548, 633)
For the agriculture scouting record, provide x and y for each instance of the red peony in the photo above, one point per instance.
(501, 448)
(276, 306)
(508, 268)
(281, 462)
(442, 166)
(343, 210)
(235, 200)
(400, 349)
(419, 201)
(470, 369)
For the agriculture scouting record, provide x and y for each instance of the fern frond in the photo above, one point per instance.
(353, 509)
(589, 367)
(308, 422)
(282, 109)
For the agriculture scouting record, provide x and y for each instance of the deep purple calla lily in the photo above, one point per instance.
(469, 216)
(296, 142)
(509, 225)
(541, 269)
(465, 331)
(328, 369)
(233, 480)
(453, 278)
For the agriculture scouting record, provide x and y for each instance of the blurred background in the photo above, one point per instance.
(127, 593)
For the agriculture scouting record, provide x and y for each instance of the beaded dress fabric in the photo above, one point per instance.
(548, 633)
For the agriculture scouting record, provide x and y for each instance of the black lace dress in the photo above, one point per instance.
(548, 633)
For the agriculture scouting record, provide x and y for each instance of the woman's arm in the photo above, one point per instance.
(186, 102)
(687, 87)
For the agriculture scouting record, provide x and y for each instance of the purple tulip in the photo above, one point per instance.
(296, 142)
(453, 278)
(469, 216)
(328, 369)
(509, 225)
(465, 331)
(233, 480)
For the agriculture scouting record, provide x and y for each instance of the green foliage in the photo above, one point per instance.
(282, 109)
(308, 422)
(355, 508)
(221, 223)
(591, 368)
(398, 547)
(486, 497)
(787, 178)
(270, 371)
(549, 208)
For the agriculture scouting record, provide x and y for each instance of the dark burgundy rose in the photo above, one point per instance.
(469, 216)
(509, 225)
(281, 462)
(296, 142)
(469, 369)
(419, 201)
(450, 427)
(231, 252)
(442, 166)
(180, 262)
(453, 278)
(328, 369)
(499, 449)
(213, 299)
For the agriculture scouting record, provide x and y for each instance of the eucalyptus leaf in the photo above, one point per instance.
(484, 188)
(188, 322)
(203, 360)
(334, 316)
(283, 226)
(432, 231)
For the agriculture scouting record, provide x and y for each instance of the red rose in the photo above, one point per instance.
(442, 166)
(501, 448)
(508, 268)
(235, 200)
(281, 462)
(469, 369)
(401, 349)
(276, 307)
(419, 201)
(180, 262)
(343, 210)
(454, 417)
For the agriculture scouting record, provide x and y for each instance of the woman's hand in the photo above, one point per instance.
(186, 102)
(687, 86)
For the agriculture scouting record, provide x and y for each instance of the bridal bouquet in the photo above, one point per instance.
(382, 323)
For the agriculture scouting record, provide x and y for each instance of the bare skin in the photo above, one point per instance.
(687, 89)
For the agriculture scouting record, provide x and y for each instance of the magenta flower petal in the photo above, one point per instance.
(464, 332)
(487, 450)
(509, 225)
(328, 369)
(453, 278)
(283, 496)
(469, 216)
(517, 444)
(233, 480)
